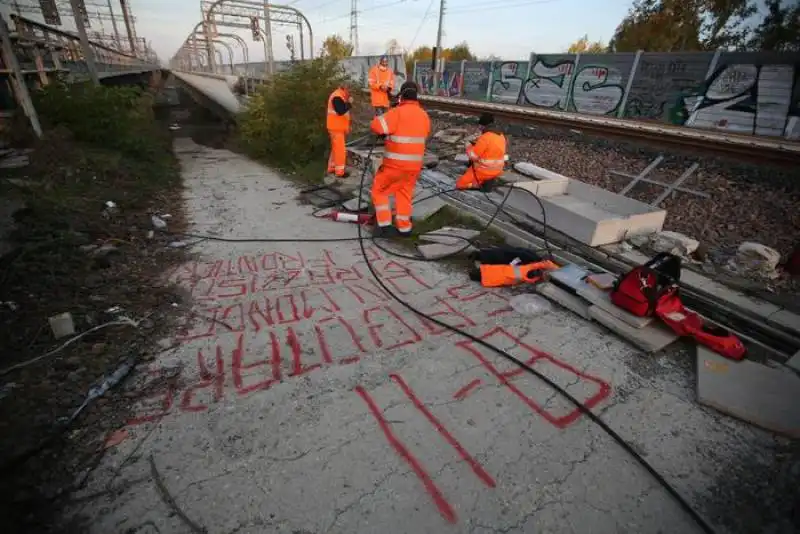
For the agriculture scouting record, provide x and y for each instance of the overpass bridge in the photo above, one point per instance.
(35, 55)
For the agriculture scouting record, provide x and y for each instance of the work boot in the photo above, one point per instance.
(403, 235)
(343, 176)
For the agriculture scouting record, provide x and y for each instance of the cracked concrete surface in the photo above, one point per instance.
(253, 438)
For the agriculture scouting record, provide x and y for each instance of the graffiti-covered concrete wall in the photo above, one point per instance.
(356, 68)
(756, 93)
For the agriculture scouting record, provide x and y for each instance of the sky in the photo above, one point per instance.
(510, 29)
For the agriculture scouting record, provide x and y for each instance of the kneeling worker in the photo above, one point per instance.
(406, 128)
(338, 123)
(487, 156)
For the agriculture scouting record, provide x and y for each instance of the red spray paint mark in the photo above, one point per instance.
(441, 503)
(603, 388)
(448, 437)
(463, 392)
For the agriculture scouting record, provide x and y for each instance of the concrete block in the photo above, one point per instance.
(444, 235)
(601, 298)
(564, 298)
(427, 208)
(764, 396)
(544, 188)
(353, 205)
(786, 319)
(794, 362)
(650, 338)
(322, 197)
(435, 251)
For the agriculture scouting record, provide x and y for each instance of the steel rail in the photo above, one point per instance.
(740, 146)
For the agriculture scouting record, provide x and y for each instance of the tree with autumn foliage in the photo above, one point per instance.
(459, 52)
(779, 30)
(583, 46)
(335, 47)
(684, 25)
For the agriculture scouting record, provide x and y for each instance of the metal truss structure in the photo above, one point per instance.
(247, 14)
(92, 11)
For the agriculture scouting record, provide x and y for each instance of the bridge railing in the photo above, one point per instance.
(42, 49)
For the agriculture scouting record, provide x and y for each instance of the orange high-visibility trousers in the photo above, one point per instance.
(338, 157)
(474, 178)
(400, 183)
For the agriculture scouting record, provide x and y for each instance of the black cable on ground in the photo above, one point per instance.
(594, 418)
(701, 522)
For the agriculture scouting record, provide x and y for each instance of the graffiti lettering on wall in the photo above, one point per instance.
(508, 77)
(593, 89)
(450, 80)
(759, 96)
(746, 98)
(589, 389)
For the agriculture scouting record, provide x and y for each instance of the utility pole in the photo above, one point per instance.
(88, 54)
(438, 50)
(268, 53)
(354, 26)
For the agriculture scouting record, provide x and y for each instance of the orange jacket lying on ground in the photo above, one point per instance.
(510, 275)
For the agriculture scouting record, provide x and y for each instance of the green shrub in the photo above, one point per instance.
(284, 121)
(117, 118)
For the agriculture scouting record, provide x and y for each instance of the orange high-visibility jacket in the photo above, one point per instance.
(406, 128)
(336, 122)
(509, 275)
(488, 154)
(378, 77)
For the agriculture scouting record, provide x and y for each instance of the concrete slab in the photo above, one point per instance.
(354, 205)
(448, 235)
(564, 298)
(764, 396)
(651, 338)
(437, 250)
(786, 319)
(794, 362)
(602, 299)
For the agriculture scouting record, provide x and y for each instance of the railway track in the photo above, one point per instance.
(741, 147)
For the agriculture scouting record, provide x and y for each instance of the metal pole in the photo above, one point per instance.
(302, 46)
(438, 48)
(17, 79)
(113, 21)
(88, 53)
(268, 39)
(127, 19)
(209, 43)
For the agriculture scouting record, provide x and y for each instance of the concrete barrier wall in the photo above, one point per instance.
(356, 68)
(755, 92)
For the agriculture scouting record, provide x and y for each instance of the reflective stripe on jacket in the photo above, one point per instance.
(509, 275)
(336, 122)
(489, 153)
(377, 77)
(406, 128)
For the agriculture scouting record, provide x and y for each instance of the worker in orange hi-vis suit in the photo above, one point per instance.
(338, 123)
(487, 156)
(381, 84)
(406, 129)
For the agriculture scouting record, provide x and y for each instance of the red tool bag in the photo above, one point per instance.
(652, 289)
(639, 291)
